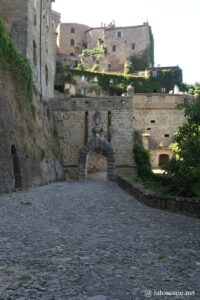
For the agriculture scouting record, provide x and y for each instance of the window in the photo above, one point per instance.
(149, 99)
(109, 126)
(34, 53)
(72, 30)
(163, 159)
(83, 92)
(114, 47)
(148, 128)
(154, 73)
(153, 121)
(46, 75)
(86, 127)
(109, 67)
(133, 46)
(84, 78)
(97, 92)
(34, 18)
(119, 34)
(167, 135)
(163, 90)
(72, 42)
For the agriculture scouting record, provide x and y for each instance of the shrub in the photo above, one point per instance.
(142, 157)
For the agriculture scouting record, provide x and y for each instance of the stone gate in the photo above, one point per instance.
(98, 126)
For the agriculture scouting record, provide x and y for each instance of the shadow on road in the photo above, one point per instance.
(99, 175)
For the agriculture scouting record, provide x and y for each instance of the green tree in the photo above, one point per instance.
(185, 165)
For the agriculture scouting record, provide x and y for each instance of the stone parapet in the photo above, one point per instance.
(186, 206)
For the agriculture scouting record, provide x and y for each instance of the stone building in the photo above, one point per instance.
(121, 43)
(155, 116)
(31, 27)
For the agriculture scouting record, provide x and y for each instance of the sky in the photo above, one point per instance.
(175, 25)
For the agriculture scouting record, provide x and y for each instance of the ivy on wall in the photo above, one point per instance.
(166, 78)
(12, 57)
(146, 59)
(116, 83)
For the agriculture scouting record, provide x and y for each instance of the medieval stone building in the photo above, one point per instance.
(121, 43)
(45, 134)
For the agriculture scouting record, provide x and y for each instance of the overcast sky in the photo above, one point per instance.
(175, 25)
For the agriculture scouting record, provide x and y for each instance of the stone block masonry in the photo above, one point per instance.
(75, 123)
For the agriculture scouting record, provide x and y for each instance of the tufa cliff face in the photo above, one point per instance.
(29, 154)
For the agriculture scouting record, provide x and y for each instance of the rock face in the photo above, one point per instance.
(28, 154)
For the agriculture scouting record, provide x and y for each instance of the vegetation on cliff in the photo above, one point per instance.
(11, 57)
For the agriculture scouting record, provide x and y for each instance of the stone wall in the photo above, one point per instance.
(75, 122)
(157, 116)
(28, 140)
(186, 206)
(75, 32)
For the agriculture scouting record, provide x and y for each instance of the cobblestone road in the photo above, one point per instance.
(92, 241)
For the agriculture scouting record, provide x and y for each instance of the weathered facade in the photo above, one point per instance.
(31, 27)
(75, 121)
(120, 43)
(155, 116)
(29, 154)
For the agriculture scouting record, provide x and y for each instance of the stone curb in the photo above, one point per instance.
(186, 206)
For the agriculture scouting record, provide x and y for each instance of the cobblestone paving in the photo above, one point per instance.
(92, 241)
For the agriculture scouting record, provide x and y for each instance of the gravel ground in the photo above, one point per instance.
(90, 240)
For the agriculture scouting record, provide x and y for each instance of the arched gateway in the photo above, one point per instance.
(99, 144)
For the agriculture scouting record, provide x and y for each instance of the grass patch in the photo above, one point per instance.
(6, 271)
(162, 256)
(24, 277)
(157, 183)
(25, 202)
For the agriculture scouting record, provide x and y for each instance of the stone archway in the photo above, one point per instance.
(97, 144)
(163, 160)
